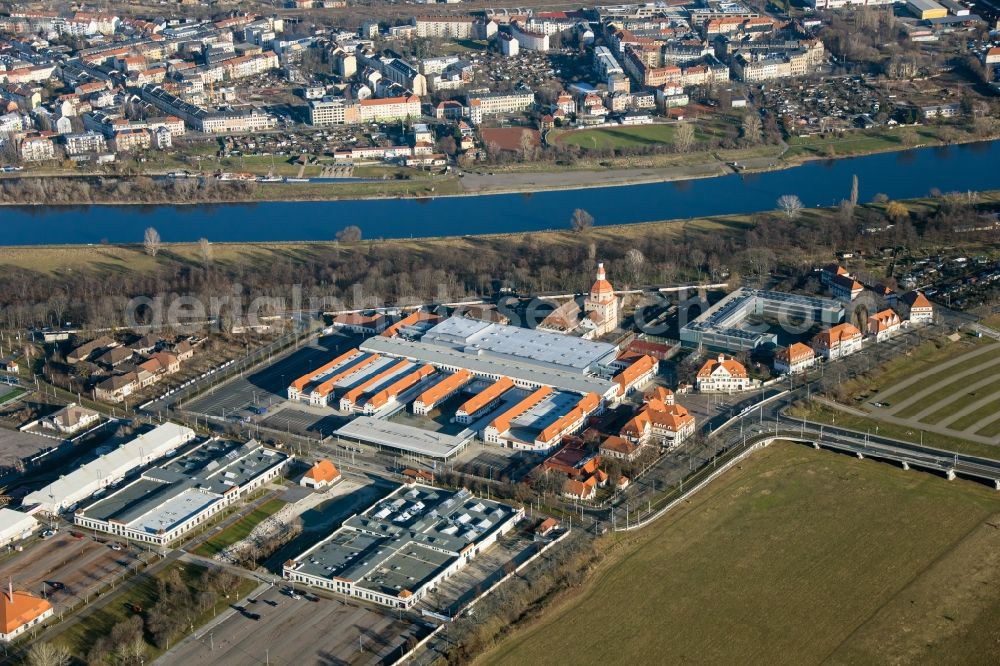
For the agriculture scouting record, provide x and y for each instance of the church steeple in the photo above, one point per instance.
(601, 291)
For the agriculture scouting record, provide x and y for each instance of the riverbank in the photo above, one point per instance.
(125, 258)
(526, 178)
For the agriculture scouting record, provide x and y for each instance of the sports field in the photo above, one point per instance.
(796, 556)
(620, 137)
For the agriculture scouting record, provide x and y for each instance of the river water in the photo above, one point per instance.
(900, 175)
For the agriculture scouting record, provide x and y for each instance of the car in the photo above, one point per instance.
(48, 534)
(116, 546)
(55, 585)
(76, 535)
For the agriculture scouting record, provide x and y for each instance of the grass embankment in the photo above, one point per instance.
(239, 530)
(142, 595)
(820, 413)
(797, 556)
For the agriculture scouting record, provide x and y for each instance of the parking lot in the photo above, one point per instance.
(268, 386)
(67, 570)
(303, 419)
(298, 631)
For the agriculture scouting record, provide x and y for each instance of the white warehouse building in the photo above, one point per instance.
(110, 468)
(15, 526)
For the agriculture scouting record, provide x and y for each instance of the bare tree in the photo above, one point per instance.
(581, 220)
(752, 127)
(790, 205)
(47, 654)
(205, 251)
(151, 241)
(635, 260)
(683, 137)
(527, 145)
(350, 234)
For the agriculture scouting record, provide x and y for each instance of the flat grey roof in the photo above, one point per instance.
(168, 495)
(404, 437)
(525, 370)
(405, 539)
(522, 344)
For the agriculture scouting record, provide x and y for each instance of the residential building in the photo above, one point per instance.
(794, 358)
(37, 149)
(883, 325)
(250, 65)
(131, 140)
(585, 490)
(405, 75)
(920, 310)
(837, 341)
(388, 109)
(321, 475)
(528, 40)
(117, 388)
(115, 356)
(845, 288)
(620, 449)
(70, 419)
(448, 27)
(229, 121)
(828, 272)
(84, 351)
(509, 46)
(332, 111)
(495, 104)
(85, 142)
(722, 375)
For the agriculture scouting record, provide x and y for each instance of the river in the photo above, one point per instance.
(906, 174)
